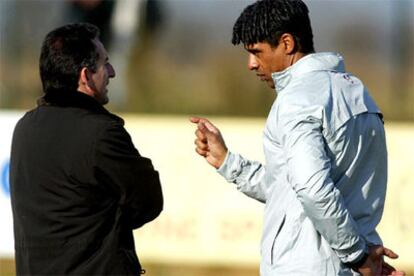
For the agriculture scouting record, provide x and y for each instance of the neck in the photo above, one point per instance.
(295, 57)
(85, 90)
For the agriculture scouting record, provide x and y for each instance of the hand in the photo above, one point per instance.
(388, 270)
(375, 265)
(209, 142)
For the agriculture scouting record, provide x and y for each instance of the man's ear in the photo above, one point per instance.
(84, 76)
(84, 81)
(288, 43)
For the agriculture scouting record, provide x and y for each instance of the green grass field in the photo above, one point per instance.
(7, 269)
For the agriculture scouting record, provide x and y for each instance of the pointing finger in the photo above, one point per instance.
(197, 120)
(389, 253)
(194, 119)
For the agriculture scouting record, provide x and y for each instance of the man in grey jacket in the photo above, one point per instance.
(325, 177)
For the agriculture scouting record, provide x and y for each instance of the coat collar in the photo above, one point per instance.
(313, 62)
(77, 99)
(64, 98)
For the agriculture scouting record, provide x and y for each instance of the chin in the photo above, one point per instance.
(102, 100)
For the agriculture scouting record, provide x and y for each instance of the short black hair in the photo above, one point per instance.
(267, 20)
(65, 51)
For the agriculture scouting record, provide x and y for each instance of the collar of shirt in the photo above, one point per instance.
(327, 61)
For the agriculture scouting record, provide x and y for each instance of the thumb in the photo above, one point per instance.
(207, 129)
(211, 127)
(206, 126)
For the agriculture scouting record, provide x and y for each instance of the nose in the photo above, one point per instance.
(252, 63)
(111, 71)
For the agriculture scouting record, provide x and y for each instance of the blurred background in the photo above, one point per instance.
(174, 58)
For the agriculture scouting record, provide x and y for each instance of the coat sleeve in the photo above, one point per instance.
(247, 175)
(309, 175)
(131, 176)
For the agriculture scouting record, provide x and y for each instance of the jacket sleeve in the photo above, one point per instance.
(309, 175)
(131, 176)
(246, 174)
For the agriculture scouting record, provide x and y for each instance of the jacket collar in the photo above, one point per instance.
(312, 62)
(64, 98)
(78, 99)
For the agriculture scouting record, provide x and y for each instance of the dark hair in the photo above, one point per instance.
(267, 20)
(65, 51)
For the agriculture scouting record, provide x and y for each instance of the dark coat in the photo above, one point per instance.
(78, 189)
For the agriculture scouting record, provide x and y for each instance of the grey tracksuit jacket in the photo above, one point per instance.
(324, 181)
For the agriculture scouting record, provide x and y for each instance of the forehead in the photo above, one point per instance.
(101, 49)
(262, 46)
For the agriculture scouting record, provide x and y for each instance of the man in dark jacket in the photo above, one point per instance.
(78, 185)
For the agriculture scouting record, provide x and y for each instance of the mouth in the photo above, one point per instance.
(262, 77)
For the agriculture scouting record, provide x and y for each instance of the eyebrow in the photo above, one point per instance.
(253, 50)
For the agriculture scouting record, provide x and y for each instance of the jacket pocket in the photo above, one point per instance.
(272, 249)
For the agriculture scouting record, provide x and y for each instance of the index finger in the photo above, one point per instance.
(196, 120)
(389, 253)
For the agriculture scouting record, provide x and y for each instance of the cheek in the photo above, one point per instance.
(268, 67)
(268, 63)
(272, 66)
(101, 79)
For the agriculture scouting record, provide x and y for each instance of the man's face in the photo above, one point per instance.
(100, 79)
(265, 60)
